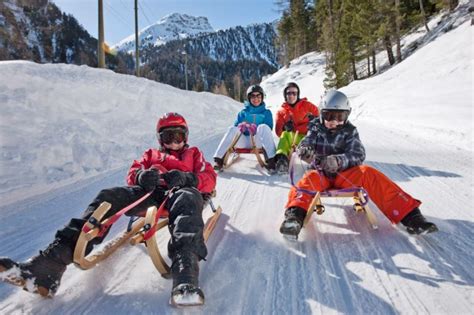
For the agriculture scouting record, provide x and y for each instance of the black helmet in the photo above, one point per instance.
(291, 84)
(255, 89)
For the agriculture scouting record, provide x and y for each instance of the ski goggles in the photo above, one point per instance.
(255, 95)
(340, 115)
(172, 135)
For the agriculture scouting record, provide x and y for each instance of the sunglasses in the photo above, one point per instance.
(335, 115)
(173, 135)
(291, 93)
(257, 95)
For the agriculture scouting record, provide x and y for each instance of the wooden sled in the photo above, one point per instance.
(152, 245)
(134, 234)
(360, 205)
(93, 223)
(233, 153)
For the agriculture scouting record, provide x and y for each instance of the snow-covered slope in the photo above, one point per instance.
(339, 265)
(61, 123)
(170, 27)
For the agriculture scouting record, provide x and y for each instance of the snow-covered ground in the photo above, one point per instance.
(68, 131)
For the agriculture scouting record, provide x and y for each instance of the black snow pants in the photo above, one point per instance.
(185, 224)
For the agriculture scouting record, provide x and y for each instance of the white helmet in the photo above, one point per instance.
(334, 101)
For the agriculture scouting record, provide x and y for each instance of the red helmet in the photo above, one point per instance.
(169, 120)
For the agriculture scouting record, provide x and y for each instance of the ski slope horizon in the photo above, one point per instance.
(68, 131)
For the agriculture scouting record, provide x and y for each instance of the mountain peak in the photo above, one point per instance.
(170, 27)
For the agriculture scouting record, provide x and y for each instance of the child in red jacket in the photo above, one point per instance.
(293, 116)
(174, 165)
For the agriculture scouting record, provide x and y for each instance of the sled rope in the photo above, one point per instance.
(353, 189)
(105, 226)
(150, 230)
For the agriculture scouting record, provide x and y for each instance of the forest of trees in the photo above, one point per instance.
(47, 35)
(225, 62)
(350, 32)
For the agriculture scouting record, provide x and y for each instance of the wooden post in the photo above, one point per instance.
(137, 59)
(100, 44)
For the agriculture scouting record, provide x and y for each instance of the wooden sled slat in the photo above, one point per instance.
(232, 150)
(135, 235)
(87, 262)
(359, 199)
(152, 245)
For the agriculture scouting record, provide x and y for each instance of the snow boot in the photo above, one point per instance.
(281, 163)
(185, 273)
(270, 165)
(416, 223)
(40, 274)
(219, 164)
(291, 226)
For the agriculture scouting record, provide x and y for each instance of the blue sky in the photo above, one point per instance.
(119, 14)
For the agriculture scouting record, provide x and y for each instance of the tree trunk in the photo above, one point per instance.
(398, 18)
(422, 9)
(353, 61)
(388, 47)
(374, 67)
(451, 4)
(368, 60)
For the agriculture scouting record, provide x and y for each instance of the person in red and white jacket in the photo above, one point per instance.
(175, 171)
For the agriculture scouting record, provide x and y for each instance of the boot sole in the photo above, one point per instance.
(290, 237)
(429, 230)
(20, 282)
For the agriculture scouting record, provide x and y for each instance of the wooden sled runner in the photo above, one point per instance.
(142, 230)
(360, 204)
(233, 153)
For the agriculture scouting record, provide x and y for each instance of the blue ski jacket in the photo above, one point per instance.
(255, 115)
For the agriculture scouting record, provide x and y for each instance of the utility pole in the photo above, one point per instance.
(100, 44)
(185, 68)
(137, 59)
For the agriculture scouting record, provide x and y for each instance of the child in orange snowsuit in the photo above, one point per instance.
(333, 144)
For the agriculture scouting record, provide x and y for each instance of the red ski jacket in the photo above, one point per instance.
(190, 159)
(298, 113)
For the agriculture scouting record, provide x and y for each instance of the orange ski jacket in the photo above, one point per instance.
(298, 113)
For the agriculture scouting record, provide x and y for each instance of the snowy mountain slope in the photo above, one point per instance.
(65, 122)
(339, 265)
(170, 27)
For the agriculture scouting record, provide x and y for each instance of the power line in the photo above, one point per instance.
(149, 9)
(144, 14)
(117, 15)
(124, 5)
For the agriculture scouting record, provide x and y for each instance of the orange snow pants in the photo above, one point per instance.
(389, 198)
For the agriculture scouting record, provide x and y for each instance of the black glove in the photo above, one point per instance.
(330, 164)
(148, 179)
(289, 126)
(175, 178)
(305, 152)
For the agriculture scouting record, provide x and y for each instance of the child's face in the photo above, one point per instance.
(334, 119)
(255, 99)
(174, 146)
(333, 124)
